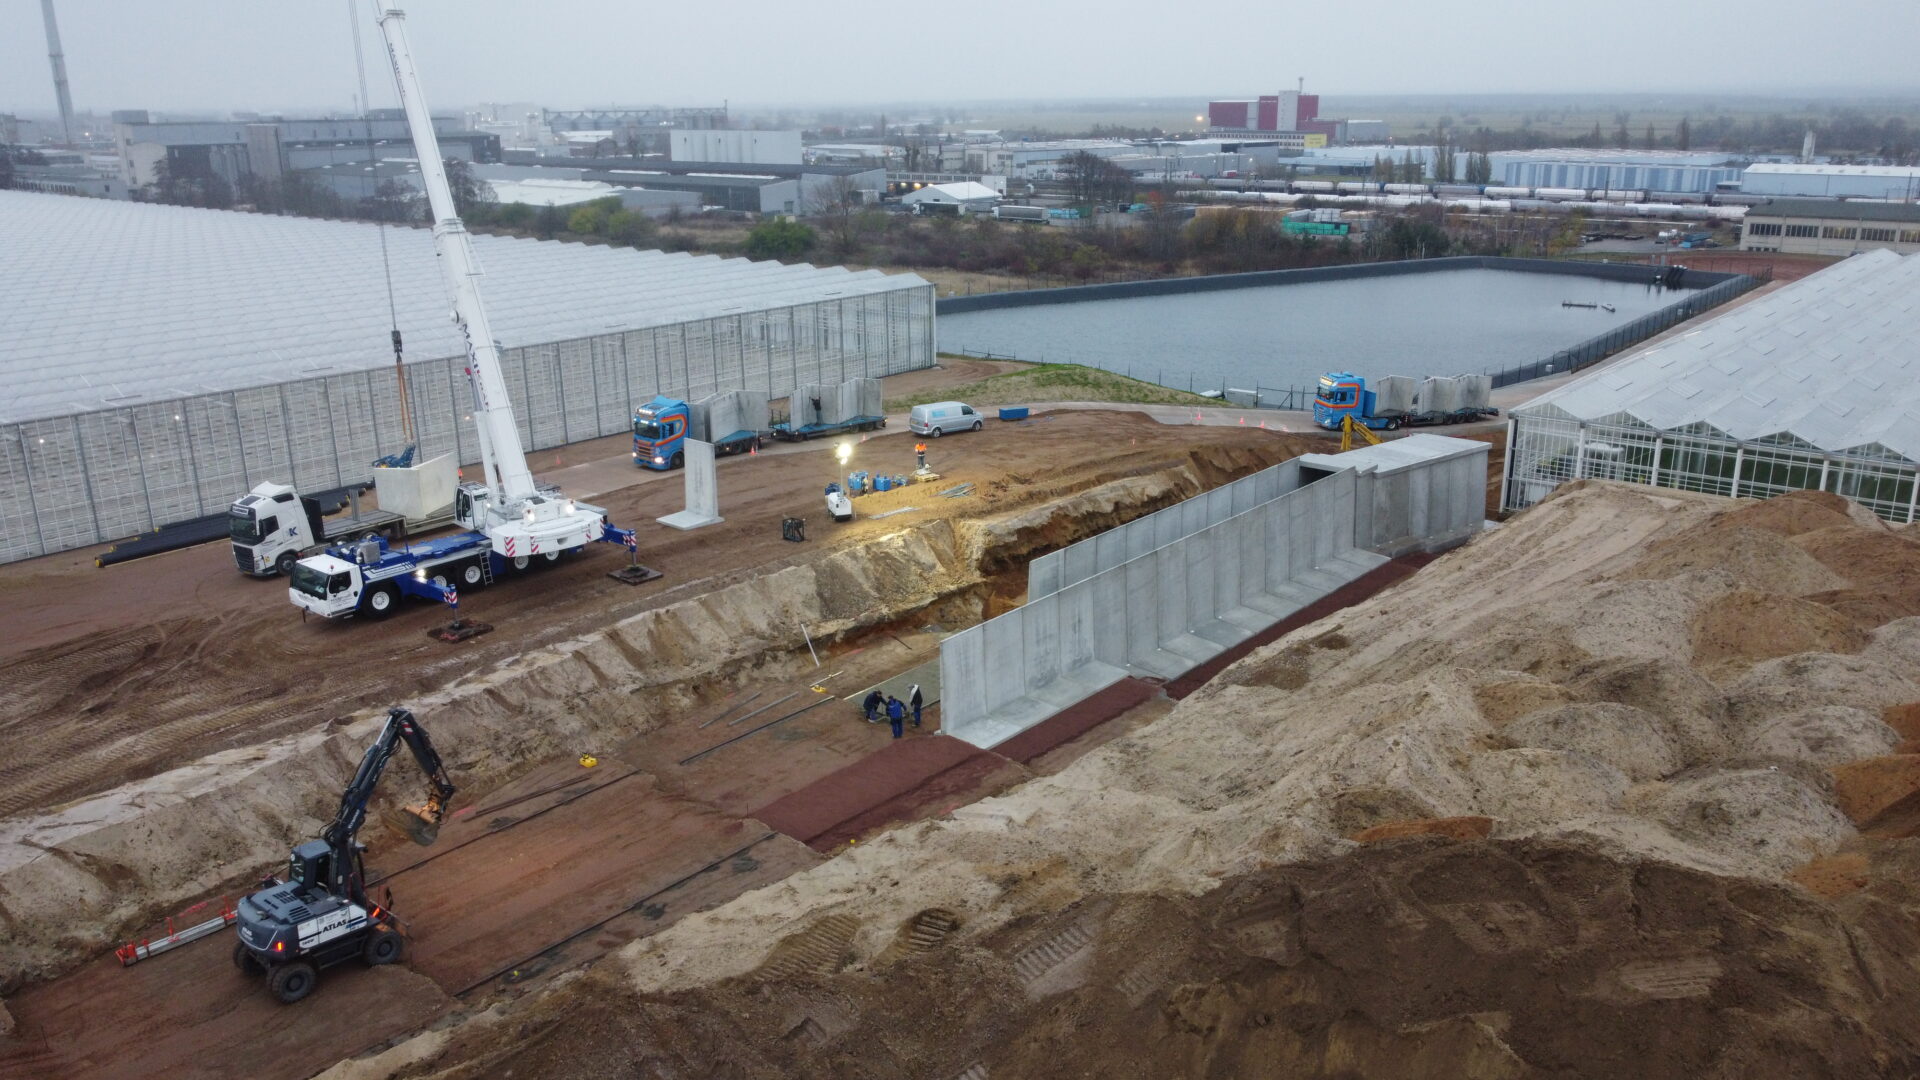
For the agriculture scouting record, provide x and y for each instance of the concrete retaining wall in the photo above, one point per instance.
(1159, 614)
(1055, 570)
(1167, 592)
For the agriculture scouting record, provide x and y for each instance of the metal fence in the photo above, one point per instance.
(71, 481)
(1595, 349)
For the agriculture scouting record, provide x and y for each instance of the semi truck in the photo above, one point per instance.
(512, 523)
(662, 427)
(1395, 403)
(273, 526)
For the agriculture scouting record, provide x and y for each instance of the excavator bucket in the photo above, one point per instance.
(420, 823)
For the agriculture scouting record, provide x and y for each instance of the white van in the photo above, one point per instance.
(941, 417)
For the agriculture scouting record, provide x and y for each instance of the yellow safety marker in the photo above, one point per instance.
(588, 761)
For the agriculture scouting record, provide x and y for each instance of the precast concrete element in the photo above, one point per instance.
(1159, 614)
(1079, 561)
(728, 412)
(1418, 493)
(817, 404)
(703, 490)
(1162, 594)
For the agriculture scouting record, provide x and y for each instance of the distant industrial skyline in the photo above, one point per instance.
(218, 55)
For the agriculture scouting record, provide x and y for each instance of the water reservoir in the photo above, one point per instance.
(1444, 322)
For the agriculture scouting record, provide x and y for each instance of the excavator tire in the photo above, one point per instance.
(291, 982)
(383, 946)
(244, 959)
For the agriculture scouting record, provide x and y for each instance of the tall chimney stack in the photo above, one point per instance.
(59, 72)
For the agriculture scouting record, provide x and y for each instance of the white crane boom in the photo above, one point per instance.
(520, 519)
(493, 411)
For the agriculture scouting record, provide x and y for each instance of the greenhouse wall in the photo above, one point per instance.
(1546, 451)
(71, 481)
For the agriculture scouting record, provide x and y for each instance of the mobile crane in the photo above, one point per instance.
(321, 914)
(513, 522)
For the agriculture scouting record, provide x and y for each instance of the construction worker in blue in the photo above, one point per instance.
(896, 715)
(872, 705)
(916, 701)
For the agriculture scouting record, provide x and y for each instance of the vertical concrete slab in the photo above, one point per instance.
(702, 488)
(1043, 574)
(1006, 664)
(1040, 626)
(1111, 601)
(963, 687)
(1076, 619)
(1143, 606)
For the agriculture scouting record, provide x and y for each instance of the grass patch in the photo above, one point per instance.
(1051, 382)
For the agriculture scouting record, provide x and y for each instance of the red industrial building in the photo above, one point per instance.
(1291, 110)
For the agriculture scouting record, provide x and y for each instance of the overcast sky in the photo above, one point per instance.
(296, 54)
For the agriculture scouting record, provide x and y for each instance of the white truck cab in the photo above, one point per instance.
(326, 586)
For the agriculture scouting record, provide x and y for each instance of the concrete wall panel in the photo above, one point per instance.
(1112, 611)
(1006, 666)
(1040, 628)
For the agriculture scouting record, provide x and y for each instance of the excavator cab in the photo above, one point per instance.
(310, 866)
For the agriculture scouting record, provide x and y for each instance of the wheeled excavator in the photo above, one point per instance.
(321, 915)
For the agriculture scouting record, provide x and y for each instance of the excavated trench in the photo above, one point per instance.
(125, 859)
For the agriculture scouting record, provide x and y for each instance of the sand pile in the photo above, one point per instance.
(1642, 693)
(1414, 958)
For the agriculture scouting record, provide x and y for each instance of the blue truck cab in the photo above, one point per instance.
(1342, 394)
(660, 434)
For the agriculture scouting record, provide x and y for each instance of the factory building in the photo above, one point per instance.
(1901, 182)
(811, 182)
(736, 147)
(1037, 160)
(1811, 387)
(269, 149)
(1292, 111)
(1614, 170)
(965, 197)
(245, 347)
(1831, 227)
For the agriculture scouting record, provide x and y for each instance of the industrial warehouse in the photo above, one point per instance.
(241, 347)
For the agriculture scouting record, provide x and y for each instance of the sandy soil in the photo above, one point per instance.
(1651, 773)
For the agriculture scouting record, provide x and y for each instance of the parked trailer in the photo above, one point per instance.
(789, 433)
(1031, 214)
(1344, 395)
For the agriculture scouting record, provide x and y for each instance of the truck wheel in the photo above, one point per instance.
(552, 557)
(471, 575)
(383, 947)
(381, 601)
(285, 563)
(1394, 424)
(291, 982)
(679, 461)
(937, 431)
(244, 959)
(520, 562)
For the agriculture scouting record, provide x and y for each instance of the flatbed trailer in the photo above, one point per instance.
(789, 433)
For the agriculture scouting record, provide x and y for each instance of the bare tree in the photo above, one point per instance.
(839, 208)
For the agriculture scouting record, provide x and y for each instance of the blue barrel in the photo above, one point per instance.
(1019, 413)
(882, 482)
